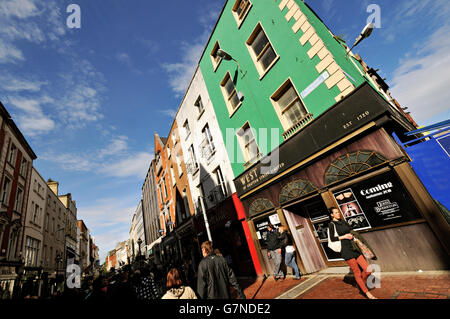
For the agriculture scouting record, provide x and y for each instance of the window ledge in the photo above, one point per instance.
(262, 75)
(201, 113)
(236, 108)
(240, 21)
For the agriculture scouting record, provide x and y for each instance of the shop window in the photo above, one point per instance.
(352, 164)
(240, 10)
(261, 50)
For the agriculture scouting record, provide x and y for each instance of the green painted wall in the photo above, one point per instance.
(293, 63)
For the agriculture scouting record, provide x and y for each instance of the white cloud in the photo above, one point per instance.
(180, 73)
(123, 58)
(18, 8)
(117, 146)
(32, 119)
(134, 165)
(109, 220)
(169, 112)
(14, 84)
(9, 53)
(421, 81)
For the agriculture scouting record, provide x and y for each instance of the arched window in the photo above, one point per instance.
(296, 189)
(351, 164)
(260, 205)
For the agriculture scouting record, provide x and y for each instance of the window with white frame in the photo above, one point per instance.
(215, 58)
(261, 50)
(231, 96)
(12, 154)
(5, 191)
(186, 204)
(288, 105)
(221, 187)
(248, 143)
(172, 174)
(23, 167)
(165, 187)
(207, 143)
(178, 160)
(199, 105)
(187, 130)
(192, 158)
(18, 203)
(240, 10)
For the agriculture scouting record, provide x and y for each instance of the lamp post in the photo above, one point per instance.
(364, 34)
(139, 242)
(226, 56)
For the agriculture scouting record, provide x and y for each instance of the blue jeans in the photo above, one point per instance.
(289, 260)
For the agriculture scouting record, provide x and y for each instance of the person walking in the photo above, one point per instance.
(175, 287)
(289, 256)
(273, 243)
(352, 256)
(215, 277)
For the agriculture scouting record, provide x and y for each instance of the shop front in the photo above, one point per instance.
(359, 169)
(227, 236)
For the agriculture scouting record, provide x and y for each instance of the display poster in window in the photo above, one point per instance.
(261, 227)
(382, 198)
(351, 210)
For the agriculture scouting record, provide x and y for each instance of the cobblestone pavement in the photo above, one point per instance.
(432, 285)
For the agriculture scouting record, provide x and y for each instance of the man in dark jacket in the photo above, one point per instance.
(214, 276)
(274, 251)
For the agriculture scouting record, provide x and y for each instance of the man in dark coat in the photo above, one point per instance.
(215, 276)
(273, 243)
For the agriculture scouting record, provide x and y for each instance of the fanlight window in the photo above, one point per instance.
(352, 164)
(296, 189)
(260, 205)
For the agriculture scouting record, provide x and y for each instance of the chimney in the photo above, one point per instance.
(53, 186)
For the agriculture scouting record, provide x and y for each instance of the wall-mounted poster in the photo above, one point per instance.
(377, 201)
(351, 210)
(261, 227)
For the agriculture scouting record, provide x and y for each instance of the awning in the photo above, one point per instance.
(158, 241)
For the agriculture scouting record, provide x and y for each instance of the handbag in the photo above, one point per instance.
(334, 245)
(367, 253)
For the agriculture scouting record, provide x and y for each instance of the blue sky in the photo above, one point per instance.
(88, 100)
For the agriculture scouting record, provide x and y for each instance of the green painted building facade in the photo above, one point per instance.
(296, 50)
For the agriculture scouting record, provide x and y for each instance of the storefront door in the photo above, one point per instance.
(308, 222)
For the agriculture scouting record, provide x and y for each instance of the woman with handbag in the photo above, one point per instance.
(339, 231)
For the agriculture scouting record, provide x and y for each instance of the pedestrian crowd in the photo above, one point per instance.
(215, 280)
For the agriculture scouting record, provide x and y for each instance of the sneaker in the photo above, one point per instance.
(297, 278)
(275, 278)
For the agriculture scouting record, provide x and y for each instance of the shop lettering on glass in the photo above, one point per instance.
(359, 117)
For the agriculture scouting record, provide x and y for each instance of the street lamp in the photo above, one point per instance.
(226, 56)
(139, 242)
(364, 34)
